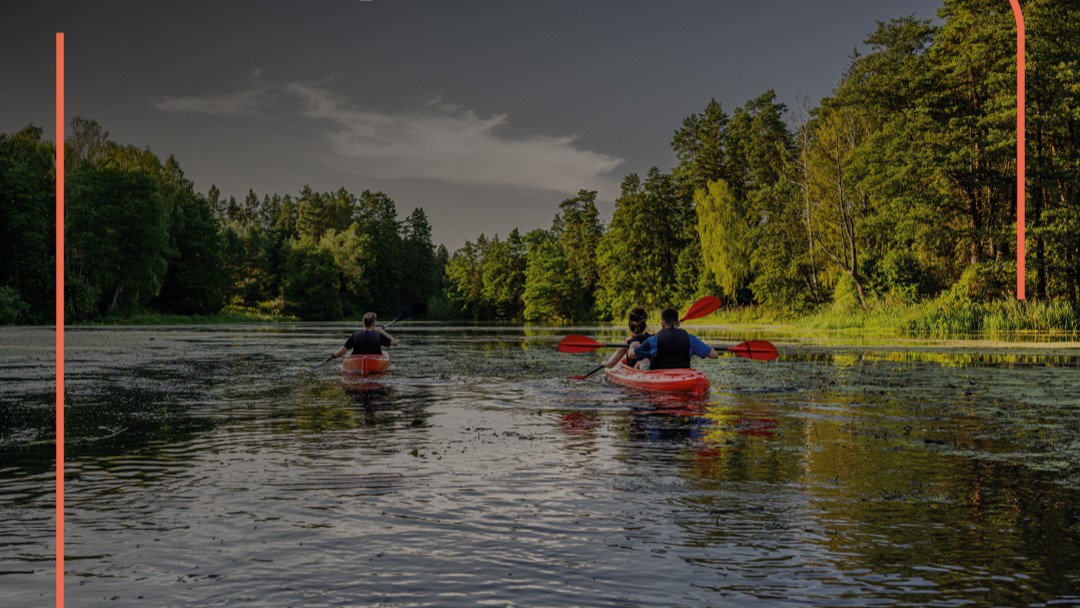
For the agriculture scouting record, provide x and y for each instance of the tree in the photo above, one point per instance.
(578, 231)
(465, 280)
(838, 207)
(724, 230)
(376, 216)
(973, 106)
(701, 146)
(118, 242)
(639, 253)
(418, 258)
(1053, 66)
(26, 218)
(549, 293)
(503, 276)
(310, 285)
(194, 282)
(351, 252)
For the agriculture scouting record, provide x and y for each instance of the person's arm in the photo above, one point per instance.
(647, 350)
(392, 339)
(699, 348)
(337, 353)
(614, 359)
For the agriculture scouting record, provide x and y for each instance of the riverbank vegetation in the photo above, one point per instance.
(889, 205)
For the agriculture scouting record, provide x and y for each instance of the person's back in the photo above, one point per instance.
(672, 349)
(367, 342)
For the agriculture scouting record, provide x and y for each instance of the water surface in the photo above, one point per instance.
(216, 466)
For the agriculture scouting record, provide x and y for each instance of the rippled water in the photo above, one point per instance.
(218, 467)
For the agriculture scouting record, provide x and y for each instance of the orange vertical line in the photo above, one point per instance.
(1021, 150)
(60, 320)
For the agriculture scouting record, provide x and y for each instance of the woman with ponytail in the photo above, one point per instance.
(637, 323)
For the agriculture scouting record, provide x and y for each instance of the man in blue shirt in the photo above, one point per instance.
(672, 346)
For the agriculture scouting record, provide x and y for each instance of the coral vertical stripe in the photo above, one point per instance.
(60, 320)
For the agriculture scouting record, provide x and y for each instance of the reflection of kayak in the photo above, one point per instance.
(363, 365)
(682, 380)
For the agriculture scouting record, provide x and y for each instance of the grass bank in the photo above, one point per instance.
(939, 318)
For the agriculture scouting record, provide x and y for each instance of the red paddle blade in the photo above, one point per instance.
(704, 306)
(577, 343)
(759, 350)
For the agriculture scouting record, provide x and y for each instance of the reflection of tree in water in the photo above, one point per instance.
(886, 492)
(348, 404)
(697, 421)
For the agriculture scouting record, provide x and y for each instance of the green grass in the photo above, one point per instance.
(944, 317)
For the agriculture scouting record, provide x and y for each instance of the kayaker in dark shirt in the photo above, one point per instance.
(637, 320)
(367, 341)
(671, 347)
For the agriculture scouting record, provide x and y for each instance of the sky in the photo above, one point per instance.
(486, 113)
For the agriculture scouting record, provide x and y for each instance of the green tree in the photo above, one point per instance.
(418, 258)
(724, 227)
(1053, 118)
(351, 252)
(578, 231)
(550, 287)
(310, 285)
(376, 216)
(465, 280)
(26, 219)
(118, 241)
(503, 276)
(701, 147)
(194, 282)
(838, 206)
(639, 253)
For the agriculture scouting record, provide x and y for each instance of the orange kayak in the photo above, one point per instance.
(682, 380)
(364, 365)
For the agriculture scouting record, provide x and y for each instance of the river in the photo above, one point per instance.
(218, 466)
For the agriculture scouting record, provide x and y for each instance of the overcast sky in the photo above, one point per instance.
(485, 113)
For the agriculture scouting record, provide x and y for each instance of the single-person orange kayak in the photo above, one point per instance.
(364, 365)
(681, 380)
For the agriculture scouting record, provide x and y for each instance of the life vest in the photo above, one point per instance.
(672, 349)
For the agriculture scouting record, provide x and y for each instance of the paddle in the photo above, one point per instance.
(759, 350)
(415, 309)
(412, 310)
(591, 372)
(704, 306)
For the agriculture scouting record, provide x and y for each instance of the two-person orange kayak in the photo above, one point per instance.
(682, 380)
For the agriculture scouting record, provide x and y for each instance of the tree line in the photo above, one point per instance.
(139, 237)
(898, 188)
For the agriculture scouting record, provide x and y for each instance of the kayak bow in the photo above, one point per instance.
(681, 380)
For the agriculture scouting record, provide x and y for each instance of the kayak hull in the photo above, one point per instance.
(365, 365)
(682, 380)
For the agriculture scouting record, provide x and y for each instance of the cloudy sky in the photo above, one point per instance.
(486, 113)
